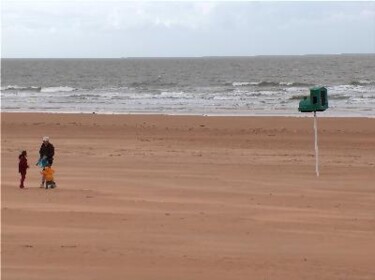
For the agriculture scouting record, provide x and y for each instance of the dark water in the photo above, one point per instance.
(225, 85)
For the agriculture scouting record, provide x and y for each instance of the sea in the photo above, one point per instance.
(224, 86)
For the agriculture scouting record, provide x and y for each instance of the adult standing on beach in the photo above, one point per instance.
(47, 150)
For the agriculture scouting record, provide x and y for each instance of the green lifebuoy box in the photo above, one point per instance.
(318, 100)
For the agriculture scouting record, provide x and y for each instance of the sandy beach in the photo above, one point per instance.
(189, 197)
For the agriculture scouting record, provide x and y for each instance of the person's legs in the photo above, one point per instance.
(43, 180)
(23, 177)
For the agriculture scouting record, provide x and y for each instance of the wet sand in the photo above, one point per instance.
(189, 197)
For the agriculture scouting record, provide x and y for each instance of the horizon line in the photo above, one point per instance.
(205, 56)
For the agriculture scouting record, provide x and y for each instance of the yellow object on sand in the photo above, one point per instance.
(48, 173)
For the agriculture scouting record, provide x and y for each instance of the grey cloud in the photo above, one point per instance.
(184, 28)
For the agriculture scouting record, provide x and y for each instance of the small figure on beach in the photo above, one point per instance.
(46, 153)
(48, 177)
(22, 167)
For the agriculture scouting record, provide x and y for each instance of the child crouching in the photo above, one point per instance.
(47, 173)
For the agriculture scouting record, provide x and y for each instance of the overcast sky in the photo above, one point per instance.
(57, 28)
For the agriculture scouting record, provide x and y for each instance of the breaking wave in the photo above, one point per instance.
(20, 88)
(57, 89)
(38, 89)
(270, 84)
(331, 96)
(362, 82)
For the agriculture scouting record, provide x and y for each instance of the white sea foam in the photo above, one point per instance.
(173, 94)
(365, 82)
(242, 84)
(286, 83)
(57, 89)
(343, 98)
(20, 88)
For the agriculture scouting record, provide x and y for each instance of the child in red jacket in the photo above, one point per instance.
(22, 167)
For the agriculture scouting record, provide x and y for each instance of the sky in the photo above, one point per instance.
(118, 28)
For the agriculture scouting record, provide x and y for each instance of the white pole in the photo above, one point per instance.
(316, 145)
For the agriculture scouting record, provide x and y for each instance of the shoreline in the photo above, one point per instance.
(297, 115)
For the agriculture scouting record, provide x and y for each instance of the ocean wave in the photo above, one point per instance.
(352, 89)
(152, 83)
(295, 84)
(228, 84)
(271, 84)
(261, 83)
(362, 82)
(299, 84)
(297, 97)
(20, 88)
(368, 96)
(38, 88)
(242, 84)
(337, 96)
(268, 84)
(57, 89)
(79, 96)
(177, 95)
(225, 97)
